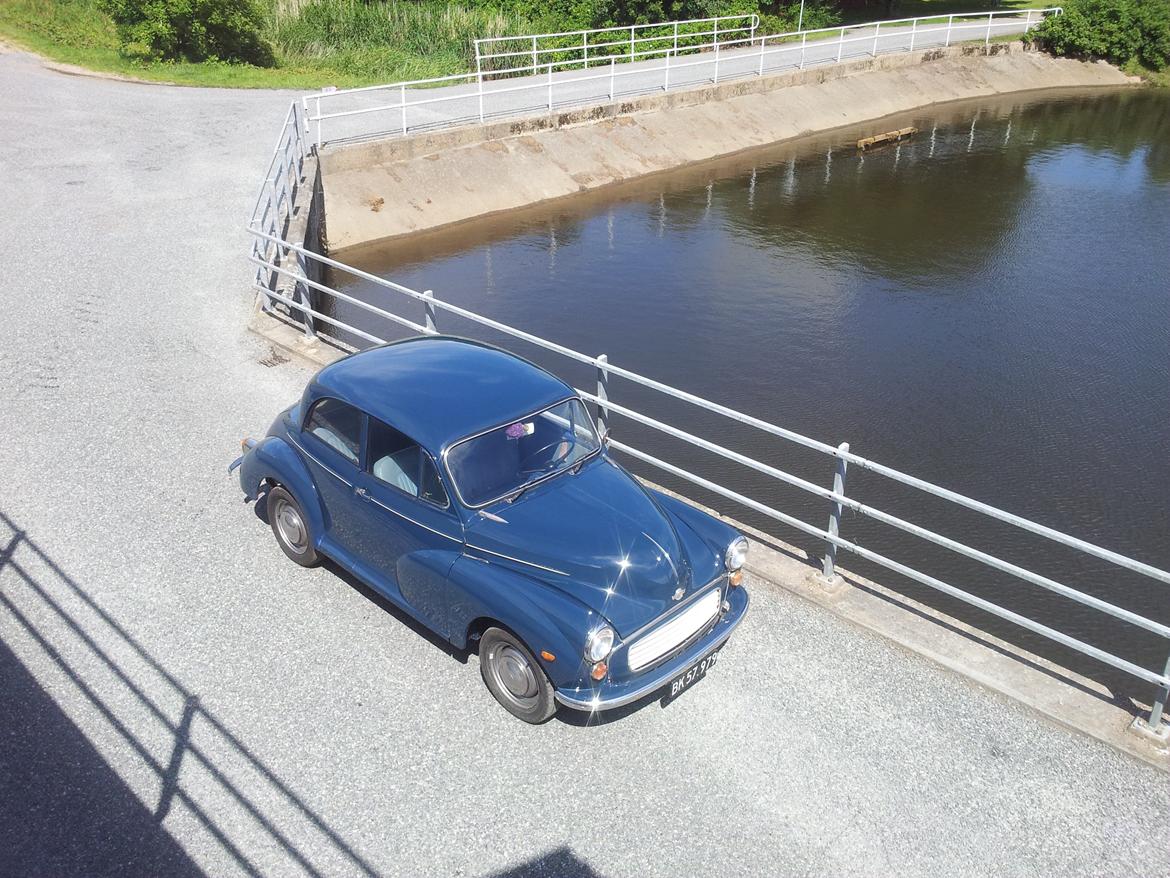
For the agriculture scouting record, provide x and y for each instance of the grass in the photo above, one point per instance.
(344, 43)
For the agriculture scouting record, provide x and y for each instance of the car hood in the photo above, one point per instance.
(597, 535)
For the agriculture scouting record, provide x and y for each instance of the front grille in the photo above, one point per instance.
(670, 635)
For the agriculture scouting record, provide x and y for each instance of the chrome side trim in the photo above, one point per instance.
(517, 560)
(382, 505)
(317, 461)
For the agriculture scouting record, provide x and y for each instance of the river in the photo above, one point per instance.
(985, 306)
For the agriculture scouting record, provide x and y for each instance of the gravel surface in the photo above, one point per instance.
(176, 698)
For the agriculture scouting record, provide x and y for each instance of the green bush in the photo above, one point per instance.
(191, 30)
(1121, 31)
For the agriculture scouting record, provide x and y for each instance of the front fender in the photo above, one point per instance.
(716, 535)
(274, 460)
(545, 618)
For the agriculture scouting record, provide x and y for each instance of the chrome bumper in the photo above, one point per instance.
(609, 697)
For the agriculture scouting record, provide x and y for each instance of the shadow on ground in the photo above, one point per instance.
(64, 811)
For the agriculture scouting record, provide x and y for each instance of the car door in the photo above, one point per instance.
(331, 440)
(409, 532)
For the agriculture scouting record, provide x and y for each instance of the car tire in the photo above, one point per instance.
(291, 527)
(512, 675)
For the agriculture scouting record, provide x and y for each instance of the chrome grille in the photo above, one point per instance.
(670, 635)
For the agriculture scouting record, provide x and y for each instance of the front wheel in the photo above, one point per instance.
(291, 527)
(515, 679)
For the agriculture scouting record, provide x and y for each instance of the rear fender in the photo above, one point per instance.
(272, 459)
(545, 618)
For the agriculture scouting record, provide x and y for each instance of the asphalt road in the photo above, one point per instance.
(379, 111)
(178, 699)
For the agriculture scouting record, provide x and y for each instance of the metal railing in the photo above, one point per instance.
(270, 270)
(572, 48)
(553, 81)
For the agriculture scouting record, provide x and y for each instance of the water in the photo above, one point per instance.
(986, 306)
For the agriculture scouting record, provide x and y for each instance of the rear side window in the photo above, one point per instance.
(337, 425)
(398, 461)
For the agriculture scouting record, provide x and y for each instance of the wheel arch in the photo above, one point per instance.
(273, 461)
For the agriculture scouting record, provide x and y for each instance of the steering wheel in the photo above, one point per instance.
(553, 462)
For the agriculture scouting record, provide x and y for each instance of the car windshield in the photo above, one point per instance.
(500, 462)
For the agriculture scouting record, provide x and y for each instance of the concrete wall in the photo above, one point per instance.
(397, 186)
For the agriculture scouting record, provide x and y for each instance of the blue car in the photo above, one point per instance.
(472, 489)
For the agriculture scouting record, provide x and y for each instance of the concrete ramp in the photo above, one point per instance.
(392, 187)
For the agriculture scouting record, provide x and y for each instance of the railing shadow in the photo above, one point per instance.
(45, 603)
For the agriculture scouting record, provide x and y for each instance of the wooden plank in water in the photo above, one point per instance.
(888, 137)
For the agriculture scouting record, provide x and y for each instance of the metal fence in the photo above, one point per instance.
(530, 53)
(562, 77)
(282, 282)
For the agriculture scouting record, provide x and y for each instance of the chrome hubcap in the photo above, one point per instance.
(291, 528)
(515, 675)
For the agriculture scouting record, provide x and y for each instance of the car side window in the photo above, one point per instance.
(337, 425)
(398, 461)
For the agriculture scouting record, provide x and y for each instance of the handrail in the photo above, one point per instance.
(724, 57)
(271, 250)
(835, 496)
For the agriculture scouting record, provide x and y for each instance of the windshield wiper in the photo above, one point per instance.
(512, 498)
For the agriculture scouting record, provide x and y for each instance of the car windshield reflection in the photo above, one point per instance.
(505, 460)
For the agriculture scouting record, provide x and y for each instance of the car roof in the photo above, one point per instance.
(439, 389)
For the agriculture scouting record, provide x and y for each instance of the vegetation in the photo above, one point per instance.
(310, 43)
(1130, 33)
(191, 30)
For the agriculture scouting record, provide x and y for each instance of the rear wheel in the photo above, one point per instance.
(515, 679)
(291, 527)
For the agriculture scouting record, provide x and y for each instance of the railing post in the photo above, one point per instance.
(1028, 22)
(666, 75)
(715, 34)
(534, 56)
(716, 64)
(585, 48)
(803, 41)
(603, 393)
(631, 42)
(402, 98)
(318, 123)
(913, 33)
(760, 71)
(835, 514)
(877, 29)
(612, 58)
(1160, 702)
(676, 37)
(987, 41)
(550, 87)
(303, 293)
(950, 21)
(479, 80)
(840, 45)
(429, 310)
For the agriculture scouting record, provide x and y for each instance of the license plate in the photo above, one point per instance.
(691, 676)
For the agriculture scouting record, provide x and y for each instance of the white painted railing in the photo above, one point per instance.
(280, 263)
(567, 77)
(530, 53)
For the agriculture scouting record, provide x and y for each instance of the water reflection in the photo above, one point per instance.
(986, 305)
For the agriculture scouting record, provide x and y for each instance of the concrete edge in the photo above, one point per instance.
(1062, 696)
(360, 154)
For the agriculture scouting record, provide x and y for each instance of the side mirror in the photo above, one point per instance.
(605, 434)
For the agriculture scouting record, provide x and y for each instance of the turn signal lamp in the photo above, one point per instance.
(735, 578)
(599, 671)
(547, 656)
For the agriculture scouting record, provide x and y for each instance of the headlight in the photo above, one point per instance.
(599, 644)
(736, 554)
